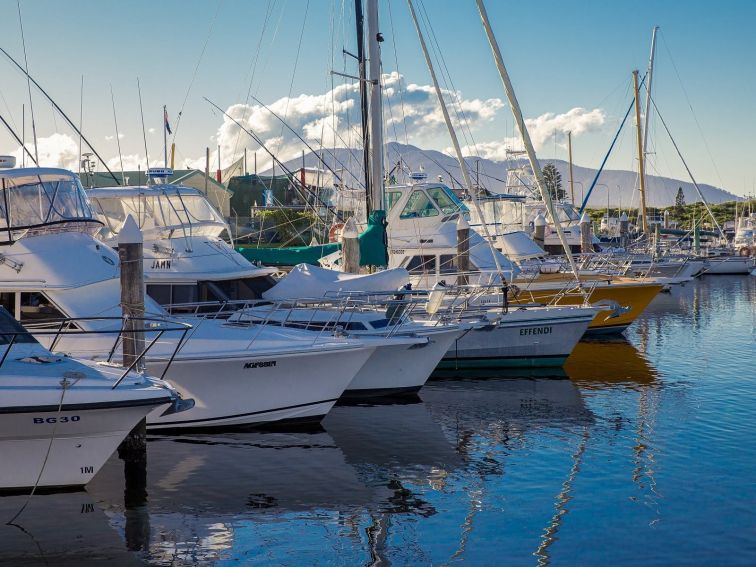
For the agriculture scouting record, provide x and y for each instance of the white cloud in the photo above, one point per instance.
(151, 130)
(544, 130)
(111, 138)
(332, 119)
(57, 150)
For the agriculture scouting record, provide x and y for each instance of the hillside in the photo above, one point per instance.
(661, 191)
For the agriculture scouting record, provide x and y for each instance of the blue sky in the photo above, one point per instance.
(561, 55)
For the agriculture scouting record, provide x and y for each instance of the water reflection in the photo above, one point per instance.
(68, 528)
(598, 364)
(198, 486)
(486, 468)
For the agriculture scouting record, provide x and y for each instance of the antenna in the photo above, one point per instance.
(144, 134)
(118, 138)
(28, 83)
(81, 118)
(15, 136)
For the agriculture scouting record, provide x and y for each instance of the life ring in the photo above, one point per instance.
(334, 233)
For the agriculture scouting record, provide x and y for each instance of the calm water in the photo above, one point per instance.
(641, 451)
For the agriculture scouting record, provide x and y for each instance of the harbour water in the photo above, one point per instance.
(640, 451)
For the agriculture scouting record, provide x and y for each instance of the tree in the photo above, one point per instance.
(553, 180)
(680, 200)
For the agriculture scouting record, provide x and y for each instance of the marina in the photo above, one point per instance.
(633, 440)
(358, 351)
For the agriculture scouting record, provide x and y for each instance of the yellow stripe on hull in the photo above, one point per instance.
(631, 298)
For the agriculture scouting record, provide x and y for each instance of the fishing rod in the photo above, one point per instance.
(13, 133)
(276, 160)
(301, 139)
(63, 114)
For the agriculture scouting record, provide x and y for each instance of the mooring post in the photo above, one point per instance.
(539, 230)
(350, 247)
(463, 250)
(586, 239)
(624, 229)
(130, 256)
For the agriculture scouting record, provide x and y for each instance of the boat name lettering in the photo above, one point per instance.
(62, 419)
(261, 364)
(161, 264)
(536, 331)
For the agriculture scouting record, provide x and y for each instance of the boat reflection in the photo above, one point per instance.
(596, 364)
(198, 486)
(66, 528)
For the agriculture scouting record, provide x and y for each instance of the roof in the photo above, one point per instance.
(137, 178)
(131, 190)
(34, 171)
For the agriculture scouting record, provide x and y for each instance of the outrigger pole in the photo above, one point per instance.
(21, 143)
(63, 114)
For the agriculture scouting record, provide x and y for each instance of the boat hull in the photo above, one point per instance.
(401, 369)
(537, 341)
(628, 301)
(247, 391)
(730, 265)
(79, 440)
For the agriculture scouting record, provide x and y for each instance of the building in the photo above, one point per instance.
(217, 193)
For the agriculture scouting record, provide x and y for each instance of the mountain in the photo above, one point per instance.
(621, 185)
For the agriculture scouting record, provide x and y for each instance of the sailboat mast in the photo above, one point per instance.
(360, 21)
(455, 141)
(572, 182)
(375, 191)
(649, 78)
(517, 112)
(641, 171)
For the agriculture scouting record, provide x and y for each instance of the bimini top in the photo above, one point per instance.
(38, 200)
(162, 211)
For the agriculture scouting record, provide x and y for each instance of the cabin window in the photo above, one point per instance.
(418, 206)
(443, 200)
(168, 294)
(392, 197)
(36, 308)
(421, 264)
(448, 264)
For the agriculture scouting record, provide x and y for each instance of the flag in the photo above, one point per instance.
(165, 119)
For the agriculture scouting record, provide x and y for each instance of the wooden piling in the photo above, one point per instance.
(463, 250)
(350, 247)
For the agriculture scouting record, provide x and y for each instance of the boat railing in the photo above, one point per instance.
(146, 331)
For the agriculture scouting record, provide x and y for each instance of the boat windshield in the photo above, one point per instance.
(160, 214)
(45, 202)
(446, 200)
(10, 328)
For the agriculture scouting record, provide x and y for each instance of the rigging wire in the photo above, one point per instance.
(294, 71)
(194, 74)
(690, 106)
(118, 136)
(28, 83)
(144, 133)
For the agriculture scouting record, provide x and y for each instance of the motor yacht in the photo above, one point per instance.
(62, 418)
(53, 268)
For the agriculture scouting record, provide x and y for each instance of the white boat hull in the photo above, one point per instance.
(401, 368)
(79, 442)
(514, 341)
(258, 390)
(729, 265)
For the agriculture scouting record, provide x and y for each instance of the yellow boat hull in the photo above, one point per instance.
(627, 300)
